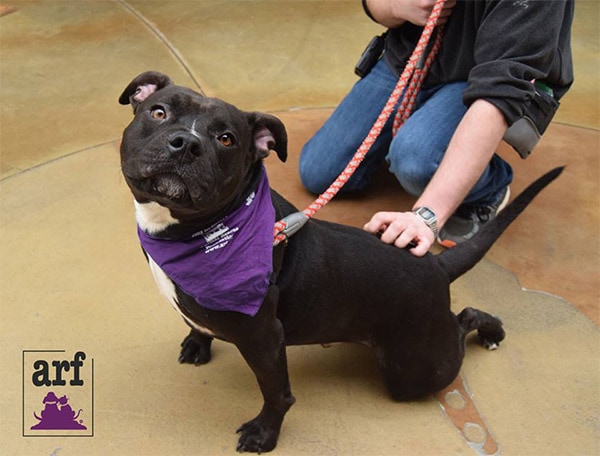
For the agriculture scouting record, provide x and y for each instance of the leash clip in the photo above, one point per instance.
(293, 223)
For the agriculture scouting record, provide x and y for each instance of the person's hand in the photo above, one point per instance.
(446, 11)
(400, 229)
(418, 11)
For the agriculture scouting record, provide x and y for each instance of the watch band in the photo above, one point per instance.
(428, 216)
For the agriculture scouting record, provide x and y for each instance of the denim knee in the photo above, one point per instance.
(313, 175)
(317, 176)
(419, 146)
(412, 167)
(332, 147)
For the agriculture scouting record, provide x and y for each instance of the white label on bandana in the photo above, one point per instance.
(217, 237)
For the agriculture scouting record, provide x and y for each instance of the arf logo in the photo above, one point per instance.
(58, 394)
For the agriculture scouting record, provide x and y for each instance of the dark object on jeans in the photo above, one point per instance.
(370, 56)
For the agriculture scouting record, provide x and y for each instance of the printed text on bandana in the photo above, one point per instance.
(219, 235)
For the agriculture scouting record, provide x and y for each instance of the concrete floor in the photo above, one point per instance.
(72, 277)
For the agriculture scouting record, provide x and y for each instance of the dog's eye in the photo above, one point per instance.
(226, 139)
(158, 113)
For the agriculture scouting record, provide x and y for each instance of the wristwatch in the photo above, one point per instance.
(429, 217)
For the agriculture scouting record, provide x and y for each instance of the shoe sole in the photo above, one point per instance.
(447, 243)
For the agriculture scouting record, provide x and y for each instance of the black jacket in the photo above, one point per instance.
(498, 47)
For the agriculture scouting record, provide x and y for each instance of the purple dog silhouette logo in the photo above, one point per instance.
(58, 394)
(58, 414)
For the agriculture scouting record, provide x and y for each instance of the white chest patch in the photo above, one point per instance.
(167, 289)
(152, 217)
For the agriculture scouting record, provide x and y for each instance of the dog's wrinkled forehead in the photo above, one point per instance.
(181, 101)
(176, 108)
(200, 114)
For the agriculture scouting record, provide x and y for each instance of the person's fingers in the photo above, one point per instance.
(406, 236)
(423, 245)
(379, 222)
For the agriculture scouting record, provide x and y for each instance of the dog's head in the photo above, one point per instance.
(190, 153)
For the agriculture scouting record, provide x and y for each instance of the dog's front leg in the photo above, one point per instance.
(267, 357)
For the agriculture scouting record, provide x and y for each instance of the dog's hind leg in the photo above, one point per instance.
(420, 359)
(489, 328)
(195, 348)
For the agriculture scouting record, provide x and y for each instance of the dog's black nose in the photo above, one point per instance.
(184, 143)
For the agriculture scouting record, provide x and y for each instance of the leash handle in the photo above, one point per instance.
(412, 73)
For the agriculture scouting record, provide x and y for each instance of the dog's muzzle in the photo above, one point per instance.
(169, 186)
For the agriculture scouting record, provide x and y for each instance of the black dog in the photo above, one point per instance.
(194, 165)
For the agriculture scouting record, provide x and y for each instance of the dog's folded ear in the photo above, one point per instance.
(143, 86)
(268, 133)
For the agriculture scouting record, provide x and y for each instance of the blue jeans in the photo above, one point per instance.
(413, 155)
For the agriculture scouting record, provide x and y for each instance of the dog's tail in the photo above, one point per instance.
(459, 259)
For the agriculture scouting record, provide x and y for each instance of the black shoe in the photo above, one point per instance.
(468, 220)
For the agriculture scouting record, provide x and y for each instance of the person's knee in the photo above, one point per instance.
(313, 175)
(313, 182)
(412, 167)
(412, 177)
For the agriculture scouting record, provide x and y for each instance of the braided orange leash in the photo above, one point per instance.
(413, 76)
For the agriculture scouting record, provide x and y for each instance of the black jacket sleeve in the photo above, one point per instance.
(516, 42)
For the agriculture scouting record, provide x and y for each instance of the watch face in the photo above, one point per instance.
(426, 213)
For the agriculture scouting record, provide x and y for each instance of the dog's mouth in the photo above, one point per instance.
(168, 186)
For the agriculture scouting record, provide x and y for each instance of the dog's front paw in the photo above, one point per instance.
(256, 437)
(195, 349)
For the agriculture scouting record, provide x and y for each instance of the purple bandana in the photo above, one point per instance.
(228, 265)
